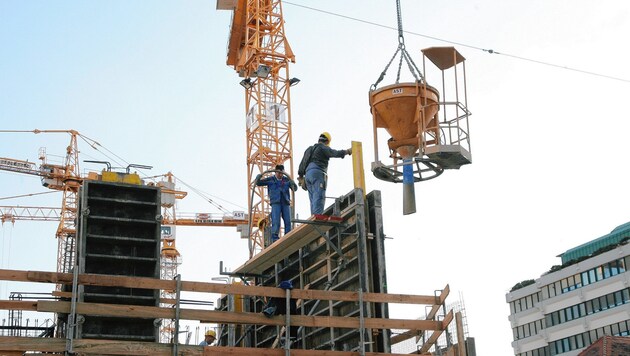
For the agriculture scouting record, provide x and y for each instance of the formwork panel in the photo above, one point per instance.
(342, 259)
(119, 234)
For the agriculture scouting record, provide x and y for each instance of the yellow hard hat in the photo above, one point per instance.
(327, 136)
(211, 333)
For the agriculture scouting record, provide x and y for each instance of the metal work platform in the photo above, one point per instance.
(297, 238)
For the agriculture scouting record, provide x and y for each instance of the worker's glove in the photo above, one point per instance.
(302, 182)
(349, 151)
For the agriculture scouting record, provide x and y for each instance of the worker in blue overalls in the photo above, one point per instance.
(279, 187)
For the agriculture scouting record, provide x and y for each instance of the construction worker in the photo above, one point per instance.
(278, 186)
(209, 338)
(312, 171)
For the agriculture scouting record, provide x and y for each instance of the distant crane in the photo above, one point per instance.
(260, 53)
(65, 178)
(170, 256)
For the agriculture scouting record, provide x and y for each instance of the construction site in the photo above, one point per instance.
(320, 289)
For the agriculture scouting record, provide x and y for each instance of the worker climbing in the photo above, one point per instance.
(279, 198)
(312, 172)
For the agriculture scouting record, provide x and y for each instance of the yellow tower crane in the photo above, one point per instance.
(65, 178)
(260, 53)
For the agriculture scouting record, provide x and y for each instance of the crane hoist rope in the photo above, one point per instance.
(404, 55)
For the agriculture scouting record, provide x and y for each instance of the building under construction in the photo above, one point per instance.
(321, 289)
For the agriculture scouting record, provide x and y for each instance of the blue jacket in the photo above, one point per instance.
(278, 189)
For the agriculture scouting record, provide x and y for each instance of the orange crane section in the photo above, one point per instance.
(260, 53)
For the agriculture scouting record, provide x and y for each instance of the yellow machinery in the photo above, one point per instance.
(429, 131)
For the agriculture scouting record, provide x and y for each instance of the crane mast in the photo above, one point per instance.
(260, 53)
(65, 178)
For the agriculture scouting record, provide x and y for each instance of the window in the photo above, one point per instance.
(615, 329)
(589, 307)
(606, 270)
(576, 311)
(549, 320)
(556, 318)
(580, 341)
(596, 306)
(582, 308)
(599, 271)
(618, 298)
(569, 314)
(585, 278)
(565, 345)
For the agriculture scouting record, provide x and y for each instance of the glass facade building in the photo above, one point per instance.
(566, 310)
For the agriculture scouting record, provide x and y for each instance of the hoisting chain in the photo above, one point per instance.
(403, 55)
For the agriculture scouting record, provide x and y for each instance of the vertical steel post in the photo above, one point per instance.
(362, 257)
(287, 328)
(178, 288)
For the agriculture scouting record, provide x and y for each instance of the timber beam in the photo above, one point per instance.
(110, 347)
(206, 287)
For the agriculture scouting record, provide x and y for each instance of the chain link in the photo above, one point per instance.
(404, 55)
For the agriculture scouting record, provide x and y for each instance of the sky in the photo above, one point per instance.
(148, 81)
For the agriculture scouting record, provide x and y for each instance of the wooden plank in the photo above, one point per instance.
(18, 305)
(461, 343)
(208, 287)
(246, 351)
(436, 334)
(87, 346)
(285, 246)
(213, 316)
(431, 316)
(116, 347)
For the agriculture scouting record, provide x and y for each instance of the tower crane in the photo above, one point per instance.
(170, 257)
(260, 53)
(65, 178)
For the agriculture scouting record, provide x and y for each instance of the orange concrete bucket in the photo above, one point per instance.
(403, 110)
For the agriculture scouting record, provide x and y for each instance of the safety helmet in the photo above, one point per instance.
(211, 333)
(325, 136)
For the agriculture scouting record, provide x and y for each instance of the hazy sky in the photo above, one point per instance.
(148, 81)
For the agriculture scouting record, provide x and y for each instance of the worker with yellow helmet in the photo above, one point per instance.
(209, 338)
(312, 172)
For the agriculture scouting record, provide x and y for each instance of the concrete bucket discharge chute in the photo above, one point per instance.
(429, 131)
(404, 110)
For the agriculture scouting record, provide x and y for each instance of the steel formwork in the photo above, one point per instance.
(346, 255)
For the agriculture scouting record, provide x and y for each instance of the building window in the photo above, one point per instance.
(588, 307)
(585, 278)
